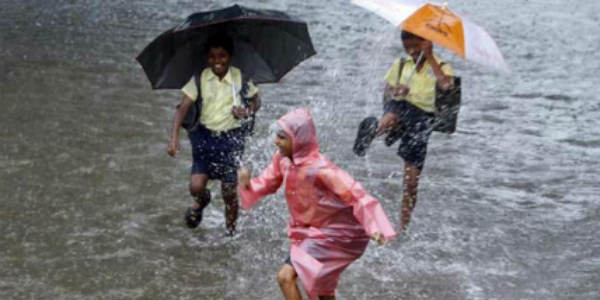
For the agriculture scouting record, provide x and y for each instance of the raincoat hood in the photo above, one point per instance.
(299, 125)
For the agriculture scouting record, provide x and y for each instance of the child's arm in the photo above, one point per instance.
(393, 92)
(268, 182)
(367, 209)
(444, 80)
(255, 103)
(253, 93)
(180, 113)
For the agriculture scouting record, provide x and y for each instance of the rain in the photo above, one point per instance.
(91, 205)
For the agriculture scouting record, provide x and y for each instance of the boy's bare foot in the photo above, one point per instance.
(230, 232)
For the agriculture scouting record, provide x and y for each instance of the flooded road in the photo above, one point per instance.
(91, 206)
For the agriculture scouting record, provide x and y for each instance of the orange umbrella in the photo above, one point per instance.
(442, 26)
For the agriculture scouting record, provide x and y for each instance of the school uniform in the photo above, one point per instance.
(218, 143)
(415, 111)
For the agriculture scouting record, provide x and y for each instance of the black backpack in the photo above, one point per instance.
(191, 121)
(447, 105)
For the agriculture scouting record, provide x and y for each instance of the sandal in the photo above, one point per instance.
(193, 216)
(365, 135)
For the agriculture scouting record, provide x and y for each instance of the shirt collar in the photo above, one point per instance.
(227, 79)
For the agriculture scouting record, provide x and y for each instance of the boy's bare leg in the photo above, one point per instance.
(386, 122)
(229, 193)
(193, 214)
(198, 190)
(198, 185)
(409, 194)
(286, 277)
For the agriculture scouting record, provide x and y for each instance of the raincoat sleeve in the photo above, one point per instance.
(366, 209)
(267, 183)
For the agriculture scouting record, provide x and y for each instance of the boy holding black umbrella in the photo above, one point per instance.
(217, 138)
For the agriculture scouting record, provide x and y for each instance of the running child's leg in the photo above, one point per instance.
(409, 195)
(198, 185)
(229, 192)
(387, 121)
(413, 149)
(286, 277)
(198, 190)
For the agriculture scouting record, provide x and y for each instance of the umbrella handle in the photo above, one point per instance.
(236, 102)
(415, 68)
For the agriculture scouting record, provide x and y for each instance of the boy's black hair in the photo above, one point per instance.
(405, 35)
(219, 41)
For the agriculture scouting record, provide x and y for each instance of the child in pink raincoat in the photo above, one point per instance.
(331, 215)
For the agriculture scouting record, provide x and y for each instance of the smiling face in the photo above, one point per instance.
(284, 143)
(219, 60)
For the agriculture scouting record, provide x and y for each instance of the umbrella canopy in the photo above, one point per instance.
(266, 44)
(442, 26)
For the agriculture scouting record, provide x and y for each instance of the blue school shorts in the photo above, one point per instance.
(217, 154)
(416, 125)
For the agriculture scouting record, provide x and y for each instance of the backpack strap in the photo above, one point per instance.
(192, 119)
(198, 86)
(198, 102)
(402, 63)
(400, 67)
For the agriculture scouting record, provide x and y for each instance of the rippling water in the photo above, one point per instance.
(91, 206)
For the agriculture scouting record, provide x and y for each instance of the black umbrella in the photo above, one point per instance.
(266, 44)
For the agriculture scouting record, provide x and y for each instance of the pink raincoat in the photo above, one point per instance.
(332, 217)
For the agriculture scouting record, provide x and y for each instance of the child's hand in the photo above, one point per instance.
(427, 48)
(243, 177)
(379, 238)
(239, 112)
(401, 91)
(173, 148)
(446, 83)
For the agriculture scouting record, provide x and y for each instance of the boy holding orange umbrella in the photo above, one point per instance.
(409, 98)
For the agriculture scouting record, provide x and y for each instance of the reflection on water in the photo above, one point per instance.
(91, 206)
